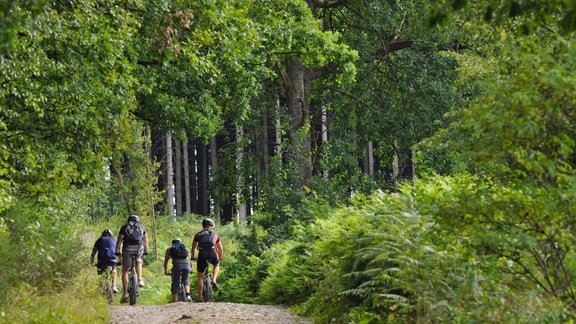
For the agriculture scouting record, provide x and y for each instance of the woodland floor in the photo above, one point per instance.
(221, 313)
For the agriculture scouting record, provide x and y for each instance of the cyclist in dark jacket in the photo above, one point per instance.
(130, 245)
(180, 269)
(210, 250)
(105, 246)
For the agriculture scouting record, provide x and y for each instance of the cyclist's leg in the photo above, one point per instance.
(139, 266)
(113, 276)
(186, 281)
(201, 265)
(216, 269)
(126, 264)
(174, 284)
(186, 278)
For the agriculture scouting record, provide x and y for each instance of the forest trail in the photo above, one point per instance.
(221, 313)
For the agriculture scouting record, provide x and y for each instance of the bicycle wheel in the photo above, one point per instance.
(108, 288)
(181, 292)
(133, 287)
(207, 291)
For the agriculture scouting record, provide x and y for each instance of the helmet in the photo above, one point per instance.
(107, 232)
(176, 240)
(207, 222)
(134, 218)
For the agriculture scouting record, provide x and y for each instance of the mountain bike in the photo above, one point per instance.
(133, 279)
(106, 284)
(181, 291)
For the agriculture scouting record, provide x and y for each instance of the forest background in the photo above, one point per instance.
(366, 160)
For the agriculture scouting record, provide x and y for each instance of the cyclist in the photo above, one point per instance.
(209, 251)
(105, 246)
(180, 268)
(133, 239)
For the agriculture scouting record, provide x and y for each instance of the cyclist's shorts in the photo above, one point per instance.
(205, 256)
(104, 264)
(180, 270)
(127, 251)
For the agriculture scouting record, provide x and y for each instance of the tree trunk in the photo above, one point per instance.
(214, 165)
(324, 130)
(242, 211)
(278, 131)
(186, 160)
(369, 159)
(169, 177)
(203, 197)
(149, 176)
(299, 134)
(396, 164)
(178, 176)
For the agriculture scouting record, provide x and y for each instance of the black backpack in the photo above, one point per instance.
(134, 232)
(206, 240)
(179, 251)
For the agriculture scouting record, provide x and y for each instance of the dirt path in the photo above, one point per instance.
(221, 313)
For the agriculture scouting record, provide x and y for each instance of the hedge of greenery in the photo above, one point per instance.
(394, 258)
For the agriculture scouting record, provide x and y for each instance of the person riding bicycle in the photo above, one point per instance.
(180, 268)
(209, 251)
(105, 246)
(133, 239)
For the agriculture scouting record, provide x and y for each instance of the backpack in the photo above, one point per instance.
(179, 251)
(134, 232)
(206, 240)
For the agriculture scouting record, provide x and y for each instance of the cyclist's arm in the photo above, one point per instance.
(119, 243)
(219, 249)
(145, 243)
(94, 250)
(166, 258)
(193, 250)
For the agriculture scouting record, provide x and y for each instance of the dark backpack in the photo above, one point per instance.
(134, 232)
(179, 251)
(206, 240)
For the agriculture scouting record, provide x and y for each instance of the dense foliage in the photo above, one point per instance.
(441, 189)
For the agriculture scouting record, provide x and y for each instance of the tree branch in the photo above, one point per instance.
(393, 46)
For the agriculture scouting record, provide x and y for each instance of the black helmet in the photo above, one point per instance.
(134, 218)
(207, 222)
(176, 240)
(107, 232)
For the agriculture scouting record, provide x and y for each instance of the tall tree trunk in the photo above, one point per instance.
(299, 133)
(186, 161)
(118, 171)
(369, 159)
(263, 145)
(214, 165)
(242, 210)
(169, 177)
(149, 176)
(324, 129)
(193, 153)
(396, 164)
(278, 129)
(203, 196)
(178, 176)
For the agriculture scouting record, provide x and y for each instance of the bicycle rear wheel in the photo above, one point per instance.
(133, 287)
(108, 288)
(207, 291)
(181, 292)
